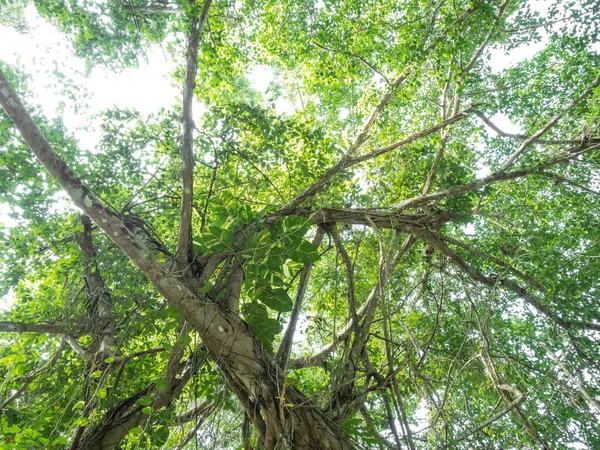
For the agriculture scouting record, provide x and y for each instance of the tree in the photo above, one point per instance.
(344, 275)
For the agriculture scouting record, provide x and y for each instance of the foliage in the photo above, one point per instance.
(443, 308)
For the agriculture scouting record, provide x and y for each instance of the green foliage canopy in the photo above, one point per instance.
(380, 290)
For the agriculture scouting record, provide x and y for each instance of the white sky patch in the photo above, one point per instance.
(501, 60)
(42, 50)
(7, 301)
(343, 113)
(505, 124)
(469, 229)
(6, 221)
(261, 77)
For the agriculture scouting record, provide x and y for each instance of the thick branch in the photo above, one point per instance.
(49, 328)
(100, 298)
(403, 223)
(127, 414)
(187, 141)
(240, 356)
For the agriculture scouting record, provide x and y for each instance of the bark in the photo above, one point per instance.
(100, 299)
(187, 142)
(49, 328)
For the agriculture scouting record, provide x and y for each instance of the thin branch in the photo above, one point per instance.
(200, 419)
(493, 281)
(497, 261)
(520, 398)
(351, 55)
(527, 142)
(28, 379)
(491, 124)
(348, 160)
(193, 413)
(591, 401)
(318, 358)
(285, 348)
(86, 355)
(485, 42)
(496, 177)
(335, 234)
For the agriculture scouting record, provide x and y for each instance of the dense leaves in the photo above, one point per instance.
(452, 301)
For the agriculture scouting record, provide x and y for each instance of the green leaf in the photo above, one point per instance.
(145, 401)
(275, 298)
(264, 327)
(82, 421)
(305, 253)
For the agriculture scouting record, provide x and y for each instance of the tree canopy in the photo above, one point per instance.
(381, 265)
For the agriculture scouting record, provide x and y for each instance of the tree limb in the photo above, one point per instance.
(187, 142)
(48, 328)
(491, 179)
(348, 161)
(285, 348)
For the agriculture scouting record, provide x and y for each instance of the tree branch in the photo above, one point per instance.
(348, 161)
(493, 281)
(490, 124)
(187, 142)
(285, 348)
(49, 328)
(527, 142)
(491, 179)
(318, 358)
(520, 398)
(100, 298)
(497, 261)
